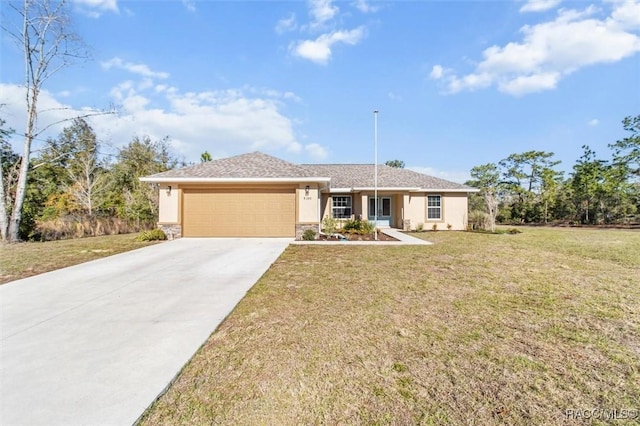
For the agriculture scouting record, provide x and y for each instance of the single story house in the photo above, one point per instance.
(257, 195)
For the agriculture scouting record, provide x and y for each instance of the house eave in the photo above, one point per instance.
(234, 180)
(398, 189)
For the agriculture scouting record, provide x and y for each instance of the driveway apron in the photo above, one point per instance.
(96, 343)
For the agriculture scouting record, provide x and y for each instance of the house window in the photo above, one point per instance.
(434, 207)
(342, 206)
(384, 206)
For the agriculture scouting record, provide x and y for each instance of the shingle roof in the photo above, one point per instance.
(257, 165)
(253, 165)
(362, 176)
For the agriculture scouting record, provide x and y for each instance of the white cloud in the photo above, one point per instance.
(524, 84)
(287, 24)
(627, 14)
(593, 122)
(322, 11)
(51, 110)
(190, 5)
(140, 69)
(454, 176)
(394, 96)
(365, 7)
(319, 50)
(316, 151)
(437, 72)
(95, 8)
(552, 50)
(223, 122)
(539, 5)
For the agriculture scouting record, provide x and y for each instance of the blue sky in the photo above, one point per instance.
(457, 84)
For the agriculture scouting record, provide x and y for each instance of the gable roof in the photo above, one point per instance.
(250, 167)
(259, 167)
(361, 176)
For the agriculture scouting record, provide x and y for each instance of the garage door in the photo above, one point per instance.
(239, 213)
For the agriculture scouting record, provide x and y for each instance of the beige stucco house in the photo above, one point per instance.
(257, 195)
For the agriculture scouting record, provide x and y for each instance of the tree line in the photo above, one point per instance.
(75, 188)
(528, 188)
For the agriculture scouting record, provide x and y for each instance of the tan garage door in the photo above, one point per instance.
(239, 213)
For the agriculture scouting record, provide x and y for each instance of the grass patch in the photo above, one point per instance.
(475, 329)
(23, 260)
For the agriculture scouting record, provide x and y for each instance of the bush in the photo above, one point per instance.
(354, 225)
(478, 220)
(80, 226)
(358, 226)
(309, 235)
(329, 225)
(420, 227)
(152, 235)
(434, 227)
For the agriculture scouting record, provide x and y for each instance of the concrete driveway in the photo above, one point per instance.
(95, 344)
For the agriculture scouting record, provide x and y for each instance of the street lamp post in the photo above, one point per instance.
(375, 173)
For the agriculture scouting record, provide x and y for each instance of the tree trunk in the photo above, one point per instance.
(4, 220)
(21, 186)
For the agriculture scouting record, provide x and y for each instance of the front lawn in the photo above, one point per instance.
(23, 260)
(475, 329)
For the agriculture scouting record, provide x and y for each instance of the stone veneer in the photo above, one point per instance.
(301, 227)
(172, 231)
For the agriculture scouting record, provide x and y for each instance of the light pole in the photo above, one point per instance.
(375, 174)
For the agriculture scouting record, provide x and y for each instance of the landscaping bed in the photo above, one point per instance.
(357, 237)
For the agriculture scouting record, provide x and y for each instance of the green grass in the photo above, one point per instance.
(23, 260)
(475, 329)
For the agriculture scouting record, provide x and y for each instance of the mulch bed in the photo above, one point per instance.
(358, 237)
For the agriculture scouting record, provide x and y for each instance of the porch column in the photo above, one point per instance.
(365, 207)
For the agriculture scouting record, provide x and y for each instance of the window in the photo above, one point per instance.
(342, 206)
(384, 206)
(434, 207)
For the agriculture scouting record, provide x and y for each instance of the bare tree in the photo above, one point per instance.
(89, 181)
(6, 158)
(487, 178)
(49, 45)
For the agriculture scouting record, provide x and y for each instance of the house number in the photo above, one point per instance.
(307, 198)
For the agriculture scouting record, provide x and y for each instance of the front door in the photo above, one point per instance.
(384, 210)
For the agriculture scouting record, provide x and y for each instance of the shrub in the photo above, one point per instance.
(352, 225)
(434, 227)
(329, 225)
(368, 227)
(152, 235)
(359, 226)
(309, 235)
(449, 226)
(478, 220)
(80, 226)
(420, 227)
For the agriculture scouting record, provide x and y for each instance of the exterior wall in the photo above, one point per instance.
(455, 207)
(454, 211)
(357, 205)
(408, 209)
(307, 205)
(413, 210)
(169, 205)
